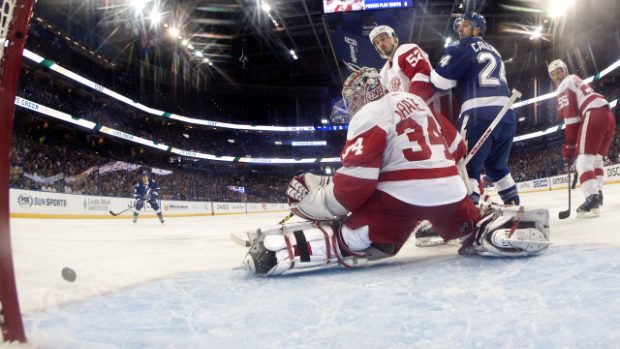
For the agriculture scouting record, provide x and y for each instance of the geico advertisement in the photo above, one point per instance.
(612, 172)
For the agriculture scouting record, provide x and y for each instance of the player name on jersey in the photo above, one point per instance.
(405, 107)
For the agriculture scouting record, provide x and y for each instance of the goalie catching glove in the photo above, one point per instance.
(312, 197)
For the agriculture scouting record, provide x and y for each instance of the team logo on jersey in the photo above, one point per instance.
(395, 84)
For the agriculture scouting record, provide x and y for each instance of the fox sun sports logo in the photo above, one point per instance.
(25, 200)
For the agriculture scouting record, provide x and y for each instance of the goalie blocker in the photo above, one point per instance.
(306, 246)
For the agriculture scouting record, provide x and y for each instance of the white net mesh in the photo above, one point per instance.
(5, 22)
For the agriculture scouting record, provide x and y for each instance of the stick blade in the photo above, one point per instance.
(564, 214)
(240, 240)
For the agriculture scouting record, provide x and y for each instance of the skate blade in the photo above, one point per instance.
(589, 214)
(435, 241)
(527, 245)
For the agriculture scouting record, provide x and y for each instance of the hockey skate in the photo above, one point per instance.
(259, 259)
(161, 218)
(426, 235)
(135, 219)
(590, 208)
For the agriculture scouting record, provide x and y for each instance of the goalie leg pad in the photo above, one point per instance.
(512, 233)
(307, 245)
(290, 248)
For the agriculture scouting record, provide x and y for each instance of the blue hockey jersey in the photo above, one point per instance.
(475, 69)
(149, 191)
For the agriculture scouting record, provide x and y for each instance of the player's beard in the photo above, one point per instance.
(390, 52)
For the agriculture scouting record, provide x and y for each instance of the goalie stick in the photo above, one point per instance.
(251, 236)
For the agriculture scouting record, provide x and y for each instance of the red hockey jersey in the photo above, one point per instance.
(574, 98)
(409, 70)
(399, 146)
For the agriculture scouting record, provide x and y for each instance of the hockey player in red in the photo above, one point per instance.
(407, 68)
(590, 127)
(397, 168)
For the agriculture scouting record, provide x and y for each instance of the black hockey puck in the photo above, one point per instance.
(68, 274)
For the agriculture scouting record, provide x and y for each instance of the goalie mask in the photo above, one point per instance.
(361, 87)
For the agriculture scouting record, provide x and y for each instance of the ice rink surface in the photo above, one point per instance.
(148, 285)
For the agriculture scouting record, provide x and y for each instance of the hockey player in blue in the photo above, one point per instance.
(147, 190)
(475, 69)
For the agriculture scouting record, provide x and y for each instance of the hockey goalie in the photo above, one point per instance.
(399, 167)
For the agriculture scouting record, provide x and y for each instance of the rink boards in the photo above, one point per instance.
(40, 204)
(612, 175)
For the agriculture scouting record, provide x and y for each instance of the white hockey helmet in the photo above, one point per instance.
(382, 29)
(361, 87)
(558, 63)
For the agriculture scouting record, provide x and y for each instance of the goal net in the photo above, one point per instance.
(14, 18)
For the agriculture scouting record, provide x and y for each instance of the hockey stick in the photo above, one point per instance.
(513, 97)
(121, 212)
(243, 242)
(566, 214)
(285, 219)
(575, 177)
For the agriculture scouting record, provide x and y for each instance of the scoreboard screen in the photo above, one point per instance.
(335, 6)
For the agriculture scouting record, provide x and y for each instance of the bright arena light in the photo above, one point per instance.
(174, 32)
(265, 6)
(536, 34)
(138, 5)
(198, 53)
(558, 8)
(155, 16)
(184, 42)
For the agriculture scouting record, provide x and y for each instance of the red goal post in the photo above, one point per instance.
(14, 18)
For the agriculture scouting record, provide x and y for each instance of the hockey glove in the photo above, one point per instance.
(312, 197)
(569, 153)
(143, 198)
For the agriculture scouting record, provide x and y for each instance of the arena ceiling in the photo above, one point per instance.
(241, 42)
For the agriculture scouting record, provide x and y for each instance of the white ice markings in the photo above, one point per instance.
(567, 297)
